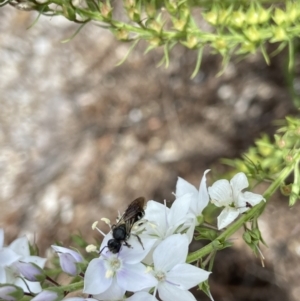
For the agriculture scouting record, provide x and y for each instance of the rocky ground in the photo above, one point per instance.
(81, 138)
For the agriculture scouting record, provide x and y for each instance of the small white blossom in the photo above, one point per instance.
(175, 277)
(229, 195)
(110, 275)
(164, 221)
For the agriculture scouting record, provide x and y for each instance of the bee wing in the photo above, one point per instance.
(134, 209)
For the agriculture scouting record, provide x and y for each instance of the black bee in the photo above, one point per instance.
(121, 231)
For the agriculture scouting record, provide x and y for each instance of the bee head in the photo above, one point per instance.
(114, 245)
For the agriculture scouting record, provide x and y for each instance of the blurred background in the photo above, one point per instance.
(81, 138)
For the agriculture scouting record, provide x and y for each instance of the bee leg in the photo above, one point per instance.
(127, 244)
(139, 239)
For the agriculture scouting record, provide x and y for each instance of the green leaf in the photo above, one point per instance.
(75, 33)
(127, 54)
(198, 62)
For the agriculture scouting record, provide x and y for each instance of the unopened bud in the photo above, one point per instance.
(211, 17)
(106, 11)
(10, 292)
(47, 296)
(252, 34)
(122, 34)
(68, 260)
(237, 18)
(286, 189)
(179, 24)
(30, 271)
(279, 16)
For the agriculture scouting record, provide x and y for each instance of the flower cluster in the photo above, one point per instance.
(141, 260)
(157, 266)
(18, 267)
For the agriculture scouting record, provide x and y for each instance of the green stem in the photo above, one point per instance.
(255, 211)
(71, 287)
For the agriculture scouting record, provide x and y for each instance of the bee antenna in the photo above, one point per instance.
(102, 250)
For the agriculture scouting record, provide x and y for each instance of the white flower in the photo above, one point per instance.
(229, 195)
(164, 221)
(108, 277)
(175, 277)
(199, 198)
(18, 250)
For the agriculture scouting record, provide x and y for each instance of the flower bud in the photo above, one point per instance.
(10, 292)
(292, 10)
(286, 189)
(211, 17)
(247, 47)
(47, 296)
(247, 237)
(68, 260)
(279, 16)
(179, 24)
(151, 9)
(252, 17)
(134, 14)
(252, 34)
(220, 44)
(279, 34)
(30, 271)
(155, 41)
(106, 10)
(237, 18)
(122, 34)
(156, 26)
(263, 16)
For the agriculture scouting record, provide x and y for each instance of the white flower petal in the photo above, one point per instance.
(186, 276)
(227, 216)
(179, 210)
(114, 292)
(171, 251)
(1, 238)
(95, 281)
(20, 246)
(169, 292)
(158, 213)
(191, 228)
(250, 198)
(141, 296)
(136, 253)
(203, 197)
(238, 183)
(8, 256)
(183, 187)
(34, 287)
(221, 193)
(134, 277)
(2, 274)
